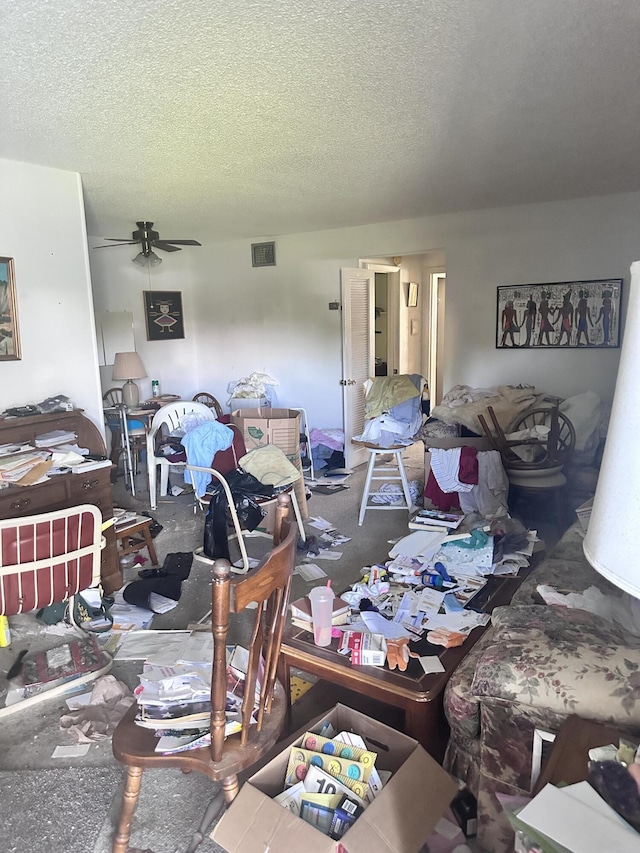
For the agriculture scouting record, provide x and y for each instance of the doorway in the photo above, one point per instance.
(381, 342)
(393, 323)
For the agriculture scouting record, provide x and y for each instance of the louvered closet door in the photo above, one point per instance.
(358, 289)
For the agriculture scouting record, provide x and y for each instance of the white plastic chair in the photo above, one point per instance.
(168, 417)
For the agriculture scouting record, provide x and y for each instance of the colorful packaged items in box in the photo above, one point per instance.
(329, 781)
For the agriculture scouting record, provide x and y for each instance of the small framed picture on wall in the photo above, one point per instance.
(9, 333)
(163, 315)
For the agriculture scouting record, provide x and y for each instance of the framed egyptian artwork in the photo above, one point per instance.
(559, 314)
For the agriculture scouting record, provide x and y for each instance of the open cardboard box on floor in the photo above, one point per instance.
(399, 820)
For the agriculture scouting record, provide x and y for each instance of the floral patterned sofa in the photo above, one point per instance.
(534, 667)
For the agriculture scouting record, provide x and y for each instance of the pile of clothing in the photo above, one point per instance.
(392, 409)
(467, 479)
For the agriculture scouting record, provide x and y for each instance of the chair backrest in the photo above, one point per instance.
(112, 397)
(552, 450)
(226, 461)
(169, 416)
(208, 400)
(268, 585)
(48, 557)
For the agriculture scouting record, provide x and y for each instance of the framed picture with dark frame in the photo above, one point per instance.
(559, 314)
(412, 294)
(9, 332)
(163, 315)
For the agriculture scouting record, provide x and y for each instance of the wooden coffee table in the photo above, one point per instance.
(569, 759)
(419, 695)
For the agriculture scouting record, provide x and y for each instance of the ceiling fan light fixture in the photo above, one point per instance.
(148, 260)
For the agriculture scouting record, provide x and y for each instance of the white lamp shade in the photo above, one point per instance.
(611, 543)
(128, 365)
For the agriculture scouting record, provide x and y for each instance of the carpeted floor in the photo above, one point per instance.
(68, 805)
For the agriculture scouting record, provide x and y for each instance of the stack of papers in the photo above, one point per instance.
(14, 468)
(9, 449)
(56, 436)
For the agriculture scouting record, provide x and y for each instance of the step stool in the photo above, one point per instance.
(385, 473)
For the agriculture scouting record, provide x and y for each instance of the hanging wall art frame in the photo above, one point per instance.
(163, 315)
(9, 331)
(563, 314)
(412, 294)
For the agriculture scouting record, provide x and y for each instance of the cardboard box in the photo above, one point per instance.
(366, 649)
(399, 820)
(269, 426)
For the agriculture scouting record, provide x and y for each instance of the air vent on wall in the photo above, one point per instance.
(263, 254)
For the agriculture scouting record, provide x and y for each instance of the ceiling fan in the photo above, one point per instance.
(148, 240)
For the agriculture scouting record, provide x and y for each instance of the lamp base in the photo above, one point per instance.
(130, 394)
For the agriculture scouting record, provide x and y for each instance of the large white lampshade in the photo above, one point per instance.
(129, 366)
(611, 544)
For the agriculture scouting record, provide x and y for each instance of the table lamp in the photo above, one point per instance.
(129, 366)
(611, 545)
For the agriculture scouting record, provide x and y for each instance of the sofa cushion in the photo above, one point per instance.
(564, 660)
(565, 569)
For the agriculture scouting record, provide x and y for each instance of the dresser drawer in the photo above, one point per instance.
(18, 501)
(94, 487)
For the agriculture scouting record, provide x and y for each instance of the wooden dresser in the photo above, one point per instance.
(92, 487)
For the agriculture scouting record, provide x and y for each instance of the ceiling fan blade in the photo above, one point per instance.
(166, 247)
(183, 242)
(113, 245)
(120, 239)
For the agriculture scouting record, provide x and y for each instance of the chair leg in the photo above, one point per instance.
(153, 481)
(230, 788)
(129, 802)
(367, 486)
(296, 510)
(164, 480)
(214, 808)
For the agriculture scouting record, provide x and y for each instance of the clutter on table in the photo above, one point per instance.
(425, 590)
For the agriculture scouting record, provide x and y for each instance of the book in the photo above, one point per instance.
(301, 611)
(307, 624)
(62, 663)
(438, 518)
(92, 465)
(328, 488)
(56, 436)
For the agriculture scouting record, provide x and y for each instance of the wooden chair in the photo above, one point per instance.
(537, 470)
(269, 586)
(550, 451)
(208, 400)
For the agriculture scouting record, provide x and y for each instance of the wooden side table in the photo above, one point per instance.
(569, 757)
(135, 537)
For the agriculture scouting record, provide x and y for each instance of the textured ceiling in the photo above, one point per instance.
(231, 118)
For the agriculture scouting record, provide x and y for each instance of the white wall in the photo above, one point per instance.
(276, 319)
(42, 227)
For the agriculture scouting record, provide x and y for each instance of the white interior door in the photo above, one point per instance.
(358, 354)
